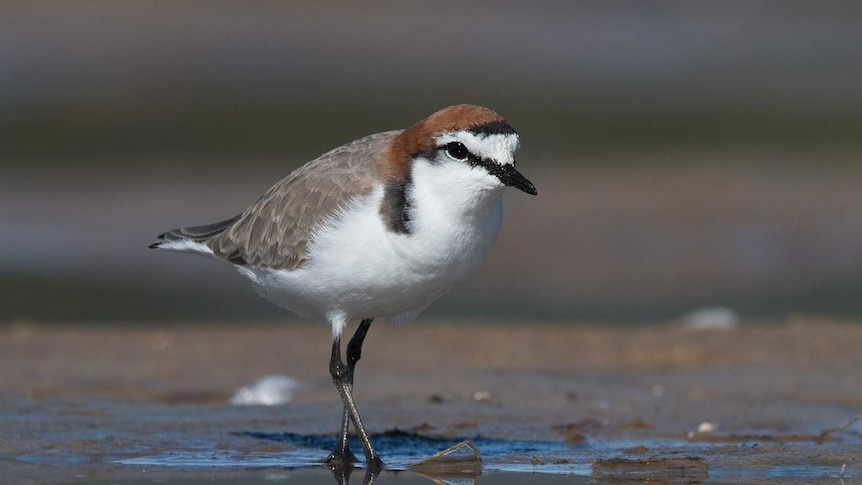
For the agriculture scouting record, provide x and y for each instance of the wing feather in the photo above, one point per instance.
(276, 230)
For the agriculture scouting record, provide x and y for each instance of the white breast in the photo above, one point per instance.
(357, 268)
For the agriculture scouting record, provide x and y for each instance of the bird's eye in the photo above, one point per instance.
(457, 151)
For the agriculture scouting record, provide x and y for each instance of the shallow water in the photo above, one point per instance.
(505, 461)
(188, 453)
(319, 475)
(637, 416)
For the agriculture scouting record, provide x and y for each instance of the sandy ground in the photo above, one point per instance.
(77, 400)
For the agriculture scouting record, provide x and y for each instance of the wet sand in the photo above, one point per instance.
(613, 403)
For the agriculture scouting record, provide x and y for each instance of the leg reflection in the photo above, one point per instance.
(341, 473)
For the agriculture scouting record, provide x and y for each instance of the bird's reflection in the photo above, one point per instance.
(341, 473)
(460, 463)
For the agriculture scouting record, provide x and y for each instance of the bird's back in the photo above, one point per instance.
(275, 231)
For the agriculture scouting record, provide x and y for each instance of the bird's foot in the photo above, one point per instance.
(374, 464)
(341, 455)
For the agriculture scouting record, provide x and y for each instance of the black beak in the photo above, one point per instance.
(513, 178)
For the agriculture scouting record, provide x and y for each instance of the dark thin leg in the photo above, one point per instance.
(354, 347)
(340, 377)
(342, 453)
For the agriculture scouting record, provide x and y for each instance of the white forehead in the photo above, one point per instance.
(498, 147)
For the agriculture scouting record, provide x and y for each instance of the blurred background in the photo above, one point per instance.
(687, 154)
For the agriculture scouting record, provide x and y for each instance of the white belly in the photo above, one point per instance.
(358, 269)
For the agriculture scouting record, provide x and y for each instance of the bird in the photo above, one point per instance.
(376, 228)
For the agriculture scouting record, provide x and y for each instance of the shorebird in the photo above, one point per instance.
(377, 228)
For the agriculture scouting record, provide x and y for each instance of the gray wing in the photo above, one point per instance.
(276, 230)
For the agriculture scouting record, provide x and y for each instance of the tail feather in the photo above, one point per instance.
(191, 238)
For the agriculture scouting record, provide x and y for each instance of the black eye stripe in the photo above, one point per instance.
(467, 156)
